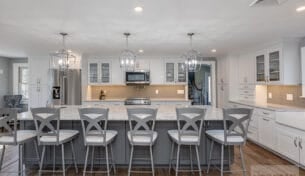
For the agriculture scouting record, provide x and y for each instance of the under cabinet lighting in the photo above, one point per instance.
(300, 9)
(138, 9)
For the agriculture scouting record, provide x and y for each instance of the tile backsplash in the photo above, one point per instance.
(152, 91)
(279, 94)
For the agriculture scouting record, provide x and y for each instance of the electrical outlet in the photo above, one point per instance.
(289, 97)
(270, 95)
(180, 92)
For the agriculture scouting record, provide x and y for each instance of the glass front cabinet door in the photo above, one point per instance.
(260, 68)
(99, 71)
(274, 66)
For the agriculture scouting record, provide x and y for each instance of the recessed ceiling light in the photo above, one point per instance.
(138, 9)
(213, 50)
(300, 9)
(141, 51)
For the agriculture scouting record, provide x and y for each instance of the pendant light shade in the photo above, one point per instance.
(127, 57)
(191, 57)
(63, 58)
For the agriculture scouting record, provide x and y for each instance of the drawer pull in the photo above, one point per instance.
(265, 113)
(266, 119)
(300, 144)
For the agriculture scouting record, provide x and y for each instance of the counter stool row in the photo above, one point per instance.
(142, 125)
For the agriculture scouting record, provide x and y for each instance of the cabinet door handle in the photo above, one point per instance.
(266, 119)
(300, 143)
(295, 142)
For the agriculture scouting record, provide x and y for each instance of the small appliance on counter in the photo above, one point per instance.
(102, 95)
(137, 101)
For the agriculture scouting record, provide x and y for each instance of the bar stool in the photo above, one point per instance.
(94, 124)
(47, 123)
(12, 136)
(141, 134)
(234, 134)
(190, 122)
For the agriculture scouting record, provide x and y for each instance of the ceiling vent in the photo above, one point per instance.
(255, 2)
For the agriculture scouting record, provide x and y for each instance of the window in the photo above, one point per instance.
(23, 88)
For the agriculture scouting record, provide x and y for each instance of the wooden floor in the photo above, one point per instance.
(256, 159)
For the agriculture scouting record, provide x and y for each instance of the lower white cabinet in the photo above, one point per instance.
(266, 131)
(287, 144)
(290, 143)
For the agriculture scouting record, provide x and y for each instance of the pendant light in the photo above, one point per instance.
(63, 58)
(191, 57)
(127, 57)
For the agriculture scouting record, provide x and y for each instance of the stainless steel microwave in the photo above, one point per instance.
(138, 77)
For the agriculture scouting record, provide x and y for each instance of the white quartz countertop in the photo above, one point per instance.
(269, 106)
(119, 112)
(123, 99)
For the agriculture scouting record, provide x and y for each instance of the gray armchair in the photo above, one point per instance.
(14, 101)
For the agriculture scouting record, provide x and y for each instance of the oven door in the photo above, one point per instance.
(137, 78)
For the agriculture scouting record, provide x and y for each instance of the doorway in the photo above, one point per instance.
(202, 85)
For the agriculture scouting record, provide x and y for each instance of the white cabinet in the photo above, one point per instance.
(266, 124)
(303, 70)
(156, 71)
(175, 71)
(279, 64)
(290, 143)
(99, 71)
(287, 143)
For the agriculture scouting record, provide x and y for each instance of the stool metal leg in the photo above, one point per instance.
(191, 160)
(112, 159)
(171, 157)
(41, 161)
(177, 163)
(54, 157)
(20, 171)
(86, 160)
(221, 167)
(210, 157)
(242, 160)
(73, 155)
(2, 156)
(92, 158)
(63, 160)
(36, 149)
(152, 161)
(130, 160)
(107, 160)
(198, 160)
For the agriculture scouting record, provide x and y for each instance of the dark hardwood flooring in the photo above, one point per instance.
(255, 157)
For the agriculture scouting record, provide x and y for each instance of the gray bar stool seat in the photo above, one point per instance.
(189, 122)
(47, 124)
(12, 136)
(233, 134)
(94, 124)
(141, 134)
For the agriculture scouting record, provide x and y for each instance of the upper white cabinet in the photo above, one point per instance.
(279, 64)
(99, 71)
(303, 70)
(175, 71)
(156, 71)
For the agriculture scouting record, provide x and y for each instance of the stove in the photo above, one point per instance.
(137, 101)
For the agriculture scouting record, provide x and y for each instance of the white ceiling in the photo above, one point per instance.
(31, 27)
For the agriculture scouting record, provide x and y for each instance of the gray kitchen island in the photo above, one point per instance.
(118, 120)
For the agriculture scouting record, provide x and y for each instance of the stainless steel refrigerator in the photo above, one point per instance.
(66, 87)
